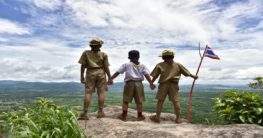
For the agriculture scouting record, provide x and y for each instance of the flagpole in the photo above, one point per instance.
(191, 91)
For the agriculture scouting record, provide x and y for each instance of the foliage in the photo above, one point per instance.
(71, 96)
(199, 111)
(258, 84)
(44, 120)
(240, 107)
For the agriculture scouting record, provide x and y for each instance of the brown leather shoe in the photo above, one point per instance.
(141, 118)
(123, 117)
(155, 119)
(83, 116)
(100, 114)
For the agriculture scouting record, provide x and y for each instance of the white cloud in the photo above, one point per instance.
(12, 28)
(176, 22)
(47, 4)
(138, 24)
(143, 16)
(3, 40)
(41, 61)
(58, 62)
(27, 70)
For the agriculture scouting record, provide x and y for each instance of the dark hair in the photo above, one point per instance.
(95, 46)
(165, 58)
(134, 54)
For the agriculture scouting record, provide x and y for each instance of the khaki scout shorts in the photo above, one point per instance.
(133, 89)
(168, 88)
(95, 78)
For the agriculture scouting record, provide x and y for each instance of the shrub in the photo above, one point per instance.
(240, 107)
(44, 120)
(257, 84)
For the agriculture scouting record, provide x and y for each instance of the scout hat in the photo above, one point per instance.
(167, 52)
(95, 42)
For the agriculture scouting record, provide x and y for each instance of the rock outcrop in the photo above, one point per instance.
(112, 127)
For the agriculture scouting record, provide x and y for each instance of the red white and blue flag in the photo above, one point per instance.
(209, 53)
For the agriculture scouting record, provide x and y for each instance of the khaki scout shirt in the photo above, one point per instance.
(91, 59)
(169, 71)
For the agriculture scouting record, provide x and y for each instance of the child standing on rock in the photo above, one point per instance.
(170, 73)
(96, 65)
(134, 75)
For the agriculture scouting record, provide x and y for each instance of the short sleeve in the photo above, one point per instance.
(83, 59)
(184, 71)
(145, 70)
(106, 61)
(122, 69)
(156, 71)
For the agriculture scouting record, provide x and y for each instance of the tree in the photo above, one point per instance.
(257, 84)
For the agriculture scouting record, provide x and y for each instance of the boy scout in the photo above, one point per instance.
(96, 64)
(170, 73)
(134, 75)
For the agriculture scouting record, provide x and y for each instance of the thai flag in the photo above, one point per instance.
(209, 53)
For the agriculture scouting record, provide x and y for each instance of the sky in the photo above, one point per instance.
(42, 40)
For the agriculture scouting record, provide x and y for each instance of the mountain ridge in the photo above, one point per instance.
(118, 86)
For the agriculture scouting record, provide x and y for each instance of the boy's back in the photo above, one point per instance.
(133, 89)
(94, 60)
(169, 71)
(133, 71)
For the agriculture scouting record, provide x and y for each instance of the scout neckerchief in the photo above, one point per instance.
(135, 61)
(136, 65)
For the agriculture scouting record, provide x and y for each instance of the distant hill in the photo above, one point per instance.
(7, 85)
(55, 86)
(215, 87)
(22, 85)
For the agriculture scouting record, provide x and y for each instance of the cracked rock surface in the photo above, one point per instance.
(112, 127)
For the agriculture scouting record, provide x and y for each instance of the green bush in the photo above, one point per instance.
(240, 107)
(44, 120)
(257, 84)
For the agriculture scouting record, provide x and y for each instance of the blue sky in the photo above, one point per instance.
(41, 40)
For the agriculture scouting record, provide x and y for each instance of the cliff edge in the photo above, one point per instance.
(112, 127)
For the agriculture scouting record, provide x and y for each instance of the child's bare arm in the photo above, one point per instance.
(107, 70)
(194, 76)
(116, 74)
(148, 78)
(82, 69)
(154, 78)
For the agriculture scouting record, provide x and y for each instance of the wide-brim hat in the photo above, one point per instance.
(95, 42)
(167, 52)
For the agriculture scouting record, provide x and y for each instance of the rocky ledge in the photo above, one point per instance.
(112, 127)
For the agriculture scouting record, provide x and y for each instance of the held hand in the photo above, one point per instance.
(110, 82)
(195, 77)
(82, 80)
(106, 88)
(152, 86)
